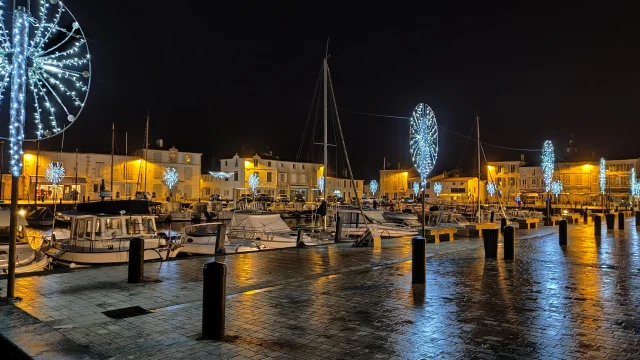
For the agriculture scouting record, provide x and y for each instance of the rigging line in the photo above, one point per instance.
(489, 177)
(306, 125)
(466, 143)
(313, 133)
(378, 115)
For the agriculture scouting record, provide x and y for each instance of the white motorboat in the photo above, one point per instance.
(353, 224)
(450, 220)
(265, 228)
(28, 257)
(104, 239)
(173, 211)
(204, 239)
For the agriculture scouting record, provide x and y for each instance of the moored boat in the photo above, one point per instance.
(28, 257)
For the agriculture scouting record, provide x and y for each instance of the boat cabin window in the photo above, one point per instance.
(134, 225)
(113, 227)
(88, 229)
(148, 226)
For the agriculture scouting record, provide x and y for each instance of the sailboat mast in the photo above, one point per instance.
(146, 150)
(478, 150)
(113, 138)
(324, 144)
(126, 152)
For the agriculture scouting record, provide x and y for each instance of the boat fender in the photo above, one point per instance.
(189, 240)
(73, 265)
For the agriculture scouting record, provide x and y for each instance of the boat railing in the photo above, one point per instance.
(106, 245)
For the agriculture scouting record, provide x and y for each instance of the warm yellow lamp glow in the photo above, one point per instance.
(247, 163)
(586, 167)
(28, 157)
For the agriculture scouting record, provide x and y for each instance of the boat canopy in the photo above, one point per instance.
(266, 222)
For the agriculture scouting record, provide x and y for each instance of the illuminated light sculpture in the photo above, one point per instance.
(548, 160)
(416, 187)
(437, 188)
(50, 72)
(320, 183)
(221, 174)
(603, 176)
(170, 177)
(423, 141)
(54, 173)
(373, 185)
(254, 182)
(556, 187)
(633, 182)
(491, 188)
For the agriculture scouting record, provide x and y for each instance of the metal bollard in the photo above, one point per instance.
(509, 242)
(562, 237)
(585, 218)
(220, 238)
(490, 239)
(299, 242)
(611, 220)
(503, 224)
(338, 229)
(136, 260)
(637, 218)
(620, 221)
(214, 286)
(419, 260)
(597, 225)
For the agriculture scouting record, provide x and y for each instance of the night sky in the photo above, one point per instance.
(219, 79)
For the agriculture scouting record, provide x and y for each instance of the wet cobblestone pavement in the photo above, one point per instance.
(338, 302)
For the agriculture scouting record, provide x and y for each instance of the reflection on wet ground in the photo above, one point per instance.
(581, 301)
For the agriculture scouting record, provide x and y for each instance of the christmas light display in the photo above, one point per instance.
(491, 188)
(170, 177)
(634, 190)
(49, 72)
(320, 183)
(548, 160)
(373, 186)
(416, 188)
(556, 187)
(423, 141)
(54, 173)
(603, 175)
(254, 182)
(437, 188)
(221, 174)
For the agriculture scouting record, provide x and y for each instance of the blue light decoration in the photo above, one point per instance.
(491, 188)
(221, 174)
(53, 68)
(556, 187)
(548, 160)
(603, 175)
(254, 182)
(416, 187)
(336, 193)
(634, 188)
(437, 188)
(423, 141)
(54, 173)
(170, 177)
(373, 185)
(320, 183)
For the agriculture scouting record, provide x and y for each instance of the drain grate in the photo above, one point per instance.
(126, 312)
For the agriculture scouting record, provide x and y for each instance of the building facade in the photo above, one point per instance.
(506, 176)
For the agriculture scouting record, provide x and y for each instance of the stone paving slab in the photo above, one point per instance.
(342, 302)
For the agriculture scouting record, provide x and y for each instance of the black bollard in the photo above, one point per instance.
(585, 218)
(611, 220)
(136, 260)
(503, 224)
(338, 229)
(509, 242)
(419, 260)
(490, 240)
(637, 218)
(214, 286)
(620, 221)
(563, 233)
(597, 225)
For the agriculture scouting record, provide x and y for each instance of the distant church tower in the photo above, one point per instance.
(571, 150)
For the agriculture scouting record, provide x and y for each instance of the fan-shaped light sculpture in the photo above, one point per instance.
(416, 187)
(54, 173)
(254, 182)
(491, 188)
(556, 187)
(548, 160)
(170, 177)
(423, 141)
(603, 176)
(46, 60)
(373, 186)
(320, 183)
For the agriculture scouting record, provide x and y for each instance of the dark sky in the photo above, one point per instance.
(218, 78)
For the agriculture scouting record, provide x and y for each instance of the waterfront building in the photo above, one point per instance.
(506, 176)
(458, 189)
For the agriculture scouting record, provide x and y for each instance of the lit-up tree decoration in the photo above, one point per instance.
(491, 188)
(556, 188)
(373, 186)
(170, 178)
(635, 186)
(254, 182)
(320, 183)
(423, 145)
(548, 166)
(54, 173)
(603, 179)
(437, 188)
(416, 188)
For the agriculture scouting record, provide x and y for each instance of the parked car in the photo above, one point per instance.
(283, 198)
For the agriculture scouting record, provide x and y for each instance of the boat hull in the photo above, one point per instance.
(107, 257)
(27, 259)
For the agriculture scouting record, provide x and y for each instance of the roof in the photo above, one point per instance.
(465, 178)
